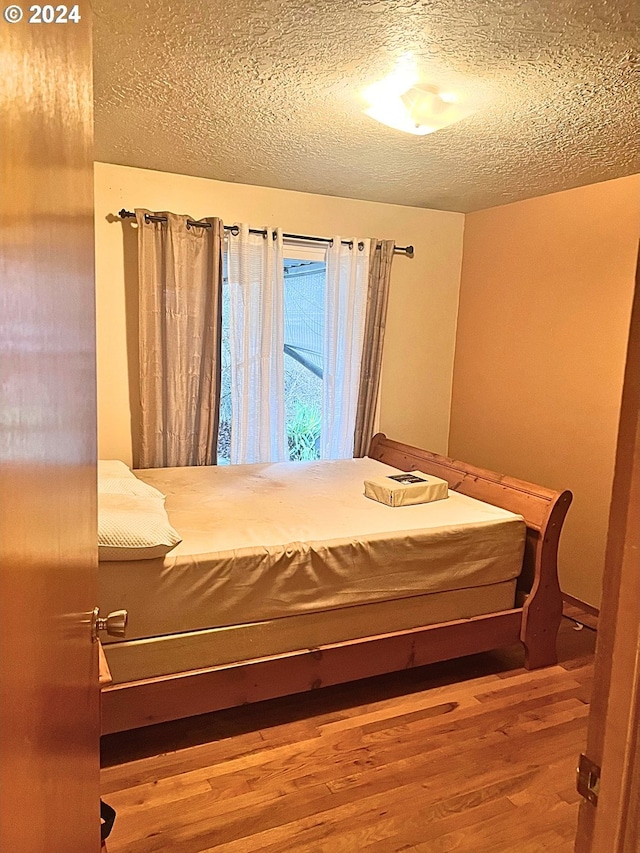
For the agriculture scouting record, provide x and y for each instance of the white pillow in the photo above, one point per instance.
(116, 478)
(133, 527)
(125, 486)
(114, 468)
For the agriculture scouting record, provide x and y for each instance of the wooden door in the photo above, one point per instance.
(49, 727)
(613, 741)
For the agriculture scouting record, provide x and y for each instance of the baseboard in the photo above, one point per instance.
(580, 612)
(588, 608)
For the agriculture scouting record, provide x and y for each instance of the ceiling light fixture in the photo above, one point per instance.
(400, 101)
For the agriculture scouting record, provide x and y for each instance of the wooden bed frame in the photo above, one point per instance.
(534, 620)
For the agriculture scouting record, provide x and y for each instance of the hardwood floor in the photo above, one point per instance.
(471, 755)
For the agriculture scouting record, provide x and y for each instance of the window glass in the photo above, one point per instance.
(303, 330)
(304, 284)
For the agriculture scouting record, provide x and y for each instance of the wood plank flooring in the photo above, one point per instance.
(471, 755)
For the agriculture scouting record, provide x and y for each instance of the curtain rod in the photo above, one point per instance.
(129, 214)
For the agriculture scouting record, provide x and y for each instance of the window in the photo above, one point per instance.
(304, 286)
(224, 431)
(303, 330)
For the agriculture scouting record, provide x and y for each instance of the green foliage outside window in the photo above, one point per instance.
(303, 432)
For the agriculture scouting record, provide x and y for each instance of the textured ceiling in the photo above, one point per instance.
(268, 93)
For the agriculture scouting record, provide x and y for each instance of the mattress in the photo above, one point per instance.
(133, 660)
(264, 543)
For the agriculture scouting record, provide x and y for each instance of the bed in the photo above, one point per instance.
(288, 579)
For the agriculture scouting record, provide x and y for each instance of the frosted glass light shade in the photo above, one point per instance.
(421, 109)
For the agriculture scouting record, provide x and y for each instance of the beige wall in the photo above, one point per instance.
(418, 361)
(543, 319)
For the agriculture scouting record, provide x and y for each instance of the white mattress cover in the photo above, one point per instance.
(136, 659)
(270, 540)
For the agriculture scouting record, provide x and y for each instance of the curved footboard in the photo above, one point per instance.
(544, 511)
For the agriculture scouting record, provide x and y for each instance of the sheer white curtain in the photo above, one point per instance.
(255, 274)
(345, 310)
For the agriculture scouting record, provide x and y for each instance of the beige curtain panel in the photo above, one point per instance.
(180, 286)
(374, 327)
